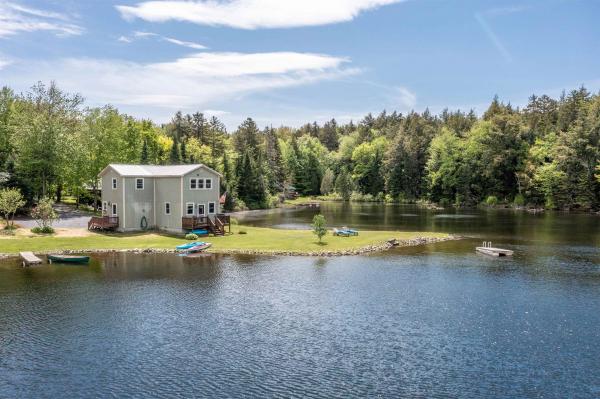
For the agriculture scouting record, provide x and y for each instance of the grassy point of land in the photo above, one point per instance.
(256, 240)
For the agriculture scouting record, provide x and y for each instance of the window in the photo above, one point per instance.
(193, 184)
(200, 183)
(201, 210)
(114, 183)
(167, 208)
(114, 210)
(189, 208)
(208, 184)
(139, 184)
(211, 207)
(104, 207)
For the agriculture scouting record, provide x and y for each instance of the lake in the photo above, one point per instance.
(431, 321)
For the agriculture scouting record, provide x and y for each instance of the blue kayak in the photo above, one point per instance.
(189, 245)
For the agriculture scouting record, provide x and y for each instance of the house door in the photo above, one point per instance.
(201, 210)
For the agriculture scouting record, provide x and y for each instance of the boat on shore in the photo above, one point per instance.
(68, 258)
(199, 248)
(189, 245)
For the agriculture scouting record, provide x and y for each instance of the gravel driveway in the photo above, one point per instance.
(68, 217)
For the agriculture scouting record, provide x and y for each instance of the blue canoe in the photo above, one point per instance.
(200, 232)
(189, 245)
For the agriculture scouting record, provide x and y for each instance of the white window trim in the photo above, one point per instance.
(214, 208)
(187, 208)
(114, 209)
(136, 182)
(211, 185)
(169, 204)
(195, 180)
(198, 209)
(104, 208)
(114, 183)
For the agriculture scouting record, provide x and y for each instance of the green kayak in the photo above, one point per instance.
(68, 258)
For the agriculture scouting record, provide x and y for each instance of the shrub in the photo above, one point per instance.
(519, 200)
(492, 200)
(359, 197)
(191, 236)
(319, 226)
(273, 201)
(44, 214)
(42, 230)
(330, 197)
(10, 201)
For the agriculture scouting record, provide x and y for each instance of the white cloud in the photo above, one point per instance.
(252, 14)
(403, 99)
(141, 35)
(15, 18)
(4, 63)
(197, 81)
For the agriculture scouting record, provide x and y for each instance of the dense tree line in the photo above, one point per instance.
(545, 154)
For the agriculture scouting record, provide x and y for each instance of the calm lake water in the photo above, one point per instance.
(432, 321)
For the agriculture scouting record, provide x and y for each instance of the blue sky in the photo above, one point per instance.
(292, 61)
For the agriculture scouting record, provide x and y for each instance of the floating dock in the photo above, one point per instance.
(487, 249)
(29, 258)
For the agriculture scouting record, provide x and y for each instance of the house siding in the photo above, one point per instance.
(111, 196)
(138, 203)
(201, 196)
(168, 189)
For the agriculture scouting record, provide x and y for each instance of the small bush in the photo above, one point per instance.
(359, 197)
(519, 200)
(42, 230)
(492, 200)
(191, 237)
(242, 232)
(273, 201)
(330, 197)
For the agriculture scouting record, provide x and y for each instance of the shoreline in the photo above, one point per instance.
(377, 247)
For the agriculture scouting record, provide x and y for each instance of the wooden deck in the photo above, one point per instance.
(103, 223)
(487, 249)
(29, 258)
(215, 226)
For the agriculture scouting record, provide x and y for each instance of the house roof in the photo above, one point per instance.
(155, 170)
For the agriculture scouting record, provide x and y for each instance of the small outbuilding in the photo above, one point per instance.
(173, 198)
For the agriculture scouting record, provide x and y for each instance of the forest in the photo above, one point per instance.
(545, 154)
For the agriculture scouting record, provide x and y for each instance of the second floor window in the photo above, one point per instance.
(193, 184)
(139, 184)
(114, 183)
(208, 183)
(167, 208)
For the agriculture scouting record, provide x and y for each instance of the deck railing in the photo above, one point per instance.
(103, 222)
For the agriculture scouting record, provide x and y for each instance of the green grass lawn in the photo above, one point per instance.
(256, 239)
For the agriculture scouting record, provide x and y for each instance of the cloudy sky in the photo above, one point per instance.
(291, 61)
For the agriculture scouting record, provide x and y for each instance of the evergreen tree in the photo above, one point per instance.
(328, 135)
(343, 185)
(275, 168)
(144, 157)
(246, 138)
(183, 152)
(175, 155)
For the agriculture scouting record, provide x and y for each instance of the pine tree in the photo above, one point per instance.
(275, 168)
(343, 185)
(328, 135)
(175, 156)
(183, 151)
(144, 157)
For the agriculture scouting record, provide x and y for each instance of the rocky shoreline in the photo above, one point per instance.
(384, 246)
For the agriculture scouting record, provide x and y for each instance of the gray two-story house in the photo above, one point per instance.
(173, 198)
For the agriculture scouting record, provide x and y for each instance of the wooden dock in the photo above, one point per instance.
(29, 258)
(487, 249)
